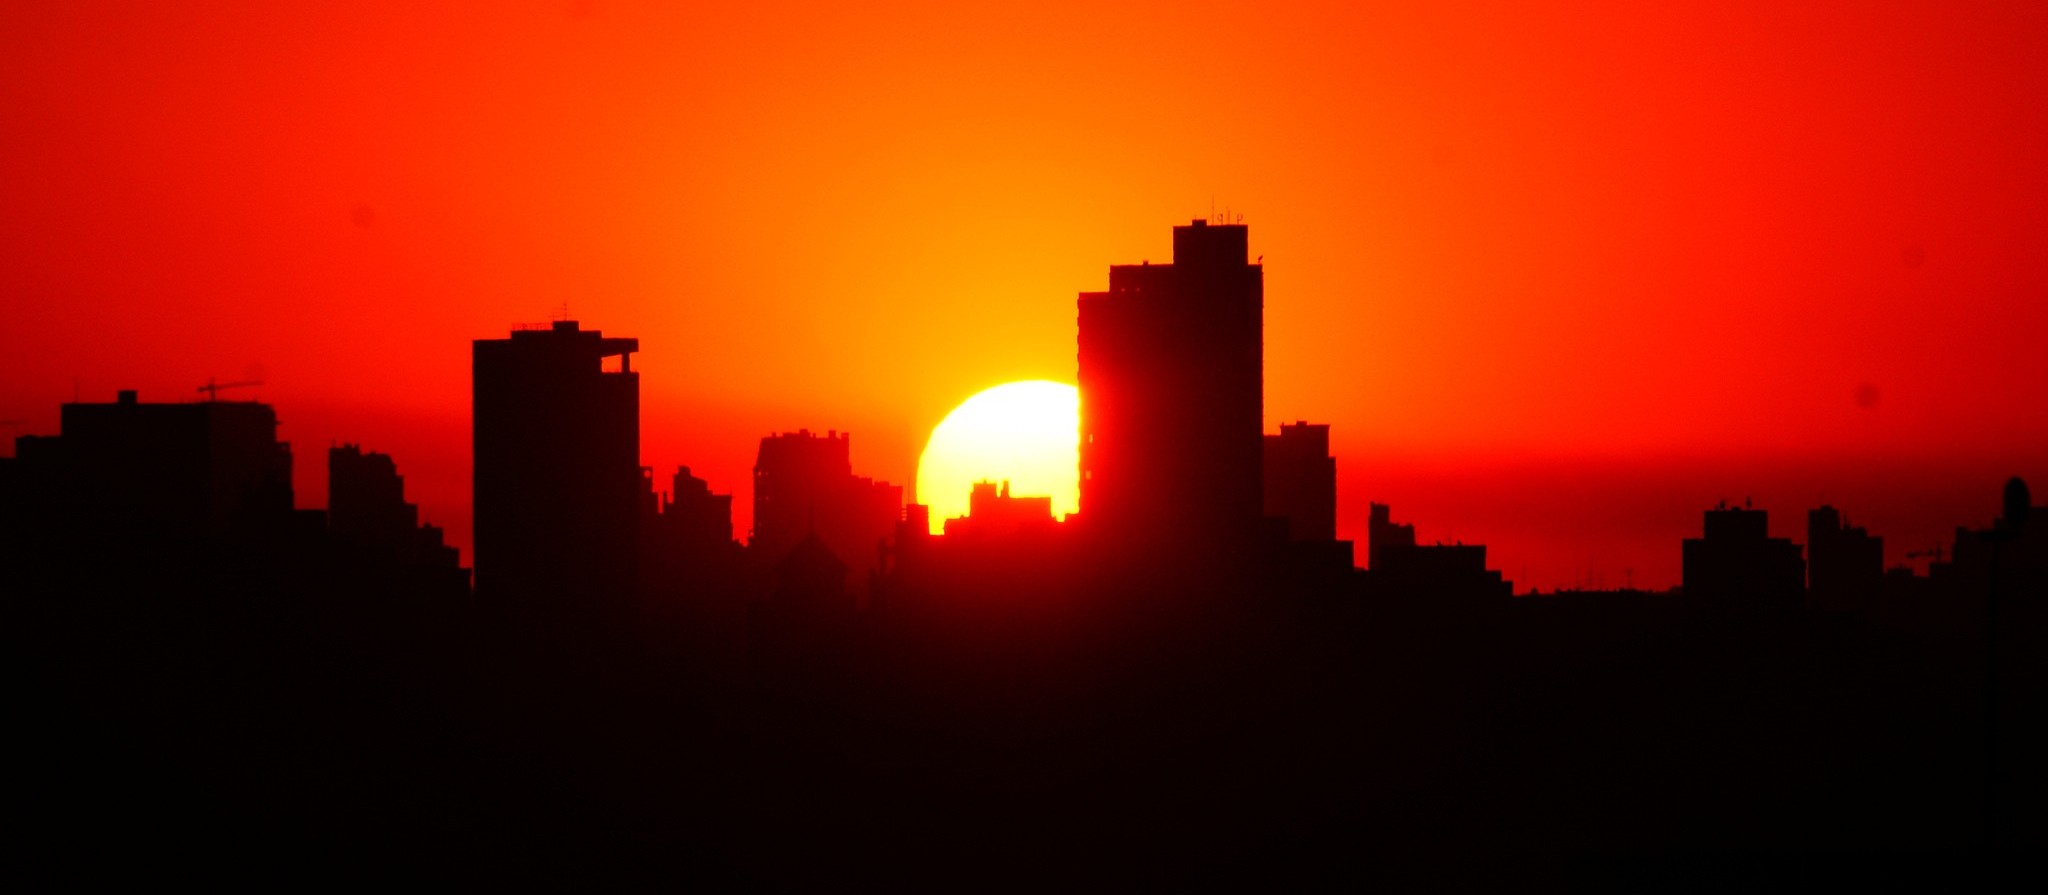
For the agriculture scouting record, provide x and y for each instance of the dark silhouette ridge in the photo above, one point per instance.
(1189, 685)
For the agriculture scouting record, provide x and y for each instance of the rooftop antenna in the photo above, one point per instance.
(564, 314)
(212, 388)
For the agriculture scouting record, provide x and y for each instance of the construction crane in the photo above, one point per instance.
(1934, 552)
(212, 388)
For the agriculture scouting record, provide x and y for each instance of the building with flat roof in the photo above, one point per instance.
(1301, 481)
(1171, 375)
(557, 468)
(204, 469)
(1737, 562)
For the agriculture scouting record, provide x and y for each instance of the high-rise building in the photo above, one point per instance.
(557, 457)
(1172, 397)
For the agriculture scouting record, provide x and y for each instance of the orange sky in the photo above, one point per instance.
(1558, 277)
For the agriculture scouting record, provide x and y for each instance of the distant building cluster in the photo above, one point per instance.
(804, 485)
(135, 496)
(1180, 486)
(1194, 653)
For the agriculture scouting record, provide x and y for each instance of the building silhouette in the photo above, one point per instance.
(203, 663)
(1172, 398)
(1845, 563)
(689, 562)
(1384, 537)
(1996, 580)
(366, 496)
(369, 517)
(1301, 481)
(1301, 501)
(192, 471)
(804, 485)
(1737, 562)
(557, 466)
(1448, 575)
(992, 512)
(688, 516)
(2008, 559)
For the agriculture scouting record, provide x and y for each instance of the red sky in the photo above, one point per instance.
(1560, 277)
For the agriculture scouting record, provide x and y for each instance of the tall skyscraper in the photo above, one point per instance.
(1172, 388)
(557, 469)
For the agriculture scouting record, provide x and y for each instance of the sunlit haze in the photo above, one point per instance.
(1022, 433)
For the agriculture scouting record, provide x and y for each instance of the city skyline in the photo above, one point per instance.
(558, 411)
(1556, 278)
(1915, 551)
(1212, 686)
(1460, 446)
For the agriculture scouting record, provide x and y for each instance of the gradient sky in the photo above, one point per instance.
(1559, 277)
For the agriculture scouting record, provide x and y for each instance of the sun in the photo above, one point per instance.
(1026, 433)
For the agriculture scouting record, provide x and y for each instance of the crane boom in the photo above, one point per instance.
(212, 388)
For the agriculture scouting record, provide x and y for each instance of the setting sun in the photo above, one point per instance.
(1025, 433)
